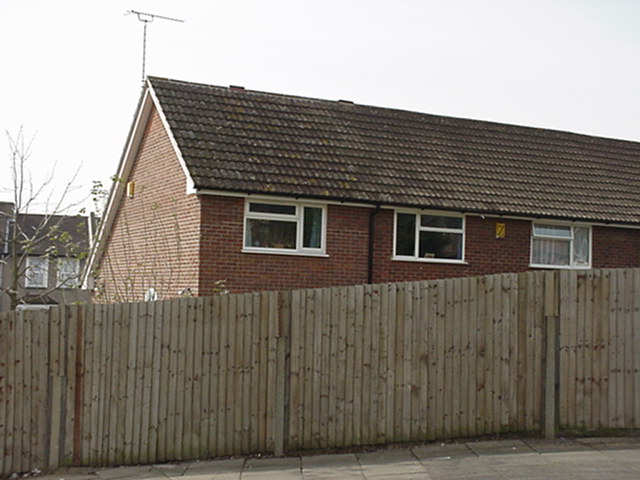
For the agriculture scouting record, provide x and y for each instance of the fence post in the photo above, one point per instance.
(551, 329)
(282, 372)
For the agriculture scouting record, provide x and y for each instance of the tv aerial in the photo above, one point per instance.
(146, 19)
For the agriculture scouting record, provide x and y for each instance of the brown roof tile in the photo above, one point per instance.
(246, 141)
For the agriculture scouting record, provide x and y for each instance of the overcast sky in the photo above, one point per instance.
(71, 70)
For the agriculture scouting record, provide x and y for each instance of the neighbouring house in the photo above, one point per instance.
(41, 258)
(266, 191)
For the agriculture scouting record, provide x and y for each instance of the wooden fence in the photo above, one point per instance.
(335, 367)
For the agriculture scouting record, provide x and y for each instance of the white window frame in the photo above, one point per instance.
(68, 281)
(569, 240)
(36, 263)
(420, 228)
(297, 218)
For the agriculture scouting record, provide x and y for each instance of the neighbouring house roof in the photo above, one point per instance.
(237, 140)
(59, 235)
(66, 234)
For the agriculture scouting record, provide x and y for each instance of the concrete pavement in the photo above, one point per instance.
(601, 458)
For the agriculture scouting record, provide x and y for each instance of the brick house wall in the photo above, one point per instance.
(154, 240)
(615, 247)
(222, 257)
(347, 249)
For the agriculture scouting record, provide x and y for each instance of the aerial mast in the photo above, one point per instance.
(147, 18)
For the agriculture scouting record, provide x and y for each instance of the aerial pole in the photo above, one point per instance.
(147, 18)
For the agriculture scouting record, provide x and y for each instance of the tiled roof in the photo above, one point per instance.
(66, 234)
(245, 141)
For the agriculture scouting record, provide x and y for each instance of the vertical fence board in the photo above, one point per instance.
(376, 380)
(296, 375)
(5, 386)
(366, 387)
(401, 423)
(635, 348)
(307, 330)
(414, 366)
(423, 361)
(358, 339)
(254, 322)
(186, 371)
(163, 387)
(155, 381)
(224, 446)
(383, 365)
(210, 375)
(630, 313)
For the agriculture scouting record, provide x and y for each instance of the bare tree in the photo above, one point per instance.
(51, 236)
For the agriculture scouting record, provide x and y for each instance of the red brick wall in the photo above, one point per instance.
(615, 247)
(222, 259)
(154, 240)
(347, 242)
(484, 253)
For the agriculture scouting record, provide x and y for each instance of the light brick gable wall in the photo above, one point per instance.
(154, 240)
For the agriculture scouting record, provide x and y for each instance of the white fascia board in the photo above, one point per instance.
(191, 189)
(284, 198)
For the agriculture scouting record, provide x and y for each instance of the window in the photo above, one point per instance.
(429, 237)
(37, 272)
(68, 272)
(284, 228)
(555, 245)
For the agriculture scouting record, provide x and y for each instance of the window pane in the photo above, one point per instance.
(441, 245)
(272, 208)
(405, 234)
(550, 252)
(581, 247)
(271, 234)
(552, 231)
(68, 272)
(36, 275)
(312, 231)
(440, 221)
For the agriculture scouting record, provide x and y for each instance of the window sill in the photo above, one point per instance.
(284, 252)
(557, 267)
(429, 260)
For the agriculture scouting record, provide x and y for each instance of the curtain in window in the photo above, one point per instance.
(550, 252)
(581, 246)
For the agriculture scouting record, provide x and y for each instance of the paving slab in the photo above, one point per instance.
(499, 447)
(337, 466)
(117, 473)
(543, 445)
(276, 468)
(443, 451)
(391, 463)
(214, 469)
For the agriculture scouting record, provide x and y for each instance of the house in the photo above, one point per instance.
(41, 258)
(266, 191)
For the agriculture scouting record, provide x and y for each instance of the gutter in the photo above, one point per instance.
(372, 218)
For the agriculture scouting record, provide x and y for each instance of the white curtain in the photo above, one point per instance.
(551, 252)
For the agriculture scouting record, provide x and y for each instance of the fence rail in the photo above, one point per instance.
(321, 368)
